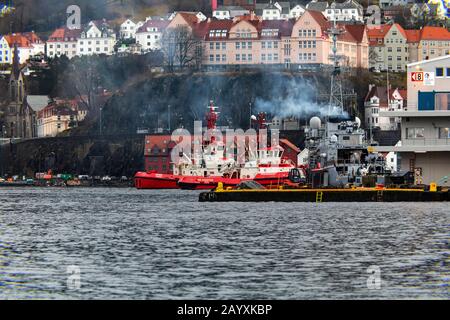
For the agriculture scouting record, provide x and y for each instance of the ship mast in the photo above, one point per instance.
(211, 116)
(336, 97)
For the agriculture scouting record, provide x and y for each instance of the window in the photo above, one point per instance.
(238, 45)
(217, 45)
(211, 58)
(217, 57)
(444, 133)
(238, 57)
(448, 72)
(211, 46)
(442, 101)
(415, 133)
(439, 72)
(250, 57)
(224, 57)
(263, 57)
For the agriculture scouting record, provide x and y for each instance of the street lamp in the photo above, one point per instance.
(168, 116)
(250, 118)
(101, 120)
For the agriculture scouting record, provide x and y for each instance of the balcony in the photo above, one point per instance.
(418, 146)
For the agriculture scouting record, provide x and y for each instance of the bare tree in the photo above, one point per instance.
(85, 80)
(181, 48)
(373, 56)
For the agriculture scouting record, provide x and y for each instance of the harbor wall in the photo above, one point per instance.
(113, 155)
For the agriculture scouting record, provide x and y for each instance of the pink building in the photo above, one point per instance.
(249, 41)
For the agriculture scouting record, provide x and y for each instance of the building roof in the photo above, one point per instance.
(32, 37)
(159, 24)
(428, 61)
(317, 6)
(354, 33)
(283, 26)
(381, 93)
(191, 18)
(64, 34)
(412, 36)
(22, 41)
(37, 103)
(349, 4)
(434, 33)
(321, 20)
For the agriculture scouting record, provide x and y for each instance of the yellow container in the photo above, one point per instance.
(433, 187)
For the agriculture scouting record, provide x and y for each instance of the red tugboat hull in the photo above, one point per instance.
(152, 180)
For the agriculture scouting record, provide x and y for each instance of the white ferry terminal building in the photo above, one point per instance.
(425, 122)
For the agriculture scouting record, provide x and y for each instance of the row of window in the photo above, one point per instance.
(98, 49)
(307, 44)
(50, 46)
(96, 42)
(398, 58)
(440, 72)
(307, 33)
(433, 51)
(398, 49)
(307, 56)
(419, 133)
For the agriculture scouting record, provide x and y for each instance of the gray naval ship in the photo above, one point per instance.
(337, 154)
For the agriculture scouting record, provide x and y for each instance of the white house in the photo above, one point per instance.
(5, 51)
(96, 38)
(229, 12)
(24, 46)
(350, 10)
(128, 29)
(297, 11)
(273, 10)
(149, 35)
(63, 41)
(376, 101)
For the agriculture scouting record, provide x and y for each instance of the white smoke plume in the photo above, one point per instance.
(294, 97)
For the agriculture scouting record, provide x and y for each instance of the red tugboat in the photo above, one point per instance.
(267, 167)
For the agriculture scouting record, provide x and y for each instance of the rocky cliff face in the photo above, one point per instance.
(107, 155)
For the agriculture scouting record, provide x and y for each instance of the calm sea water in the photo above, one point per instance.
(134, 244)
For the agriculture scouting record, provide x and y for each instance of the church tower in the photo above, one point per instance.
(16, 83)
(14, 121)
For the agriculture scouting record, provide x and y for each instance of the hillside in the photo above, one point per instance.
(45, 15)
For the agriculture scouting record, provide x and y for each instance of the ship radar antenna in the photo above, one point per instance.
(336, 97)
